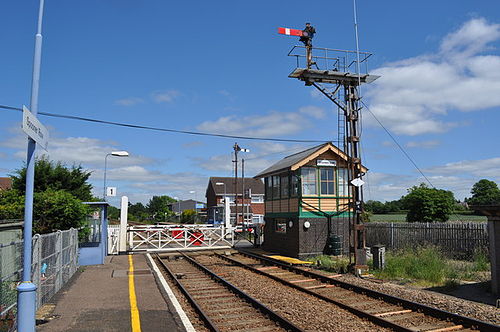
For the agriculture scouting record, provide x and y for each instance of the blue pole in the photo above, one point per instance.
(26, 291)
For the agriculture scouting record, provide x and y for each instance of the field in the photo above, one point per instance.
(401, 218)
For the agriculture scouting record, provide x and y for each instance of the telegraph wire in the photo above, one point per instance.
(187, 132)
(399, 145)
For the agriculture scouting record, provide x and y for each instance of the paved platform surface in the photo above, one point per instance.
(98, 299)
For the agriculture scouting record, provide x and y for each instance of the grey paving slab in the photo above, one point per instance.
(97, 299)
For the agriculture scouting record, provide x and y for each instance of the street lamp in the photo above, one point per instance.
(195, 203)
(178, 208)
(222, 184)
(116, 154)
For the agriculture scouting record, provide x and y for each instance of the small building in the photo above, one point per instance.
(250, 206)
(302, 193)
(5, 183)
(189, 204)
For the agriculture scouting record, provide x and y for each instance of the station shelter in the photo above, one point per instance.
(307, 201)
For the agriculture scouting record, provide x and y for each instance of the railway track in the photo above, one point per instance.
(221, 305)
(382, 309)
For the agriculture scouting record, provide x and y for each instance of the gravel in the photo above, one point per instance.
(306, 311)
(448, 303)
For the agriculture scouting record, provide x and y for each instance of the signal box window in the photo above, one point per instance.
(309, 181)
(327, 181)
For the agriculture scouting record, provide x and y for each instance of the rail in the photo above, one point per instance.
(283, 322)
(409, 305)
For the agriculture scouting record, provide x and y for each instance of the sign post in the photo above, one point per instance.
(26, 290)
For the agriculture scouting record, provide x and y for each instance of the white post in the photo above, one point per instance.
(123, 224)
(227, 213)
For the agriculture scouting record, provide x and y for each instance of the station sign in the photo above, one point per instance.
(34, 128)
(111, 191)
(326, 162)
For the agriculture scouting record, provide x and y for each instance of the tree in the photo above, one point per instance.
(484, 192)
(57, 199)
(113, 213)
(137, 212)
(11, 204)
(56, 176)
(188, 217)
(158, 207)
(426, 204)
(375, 207)
(57, 210)
(52, 210)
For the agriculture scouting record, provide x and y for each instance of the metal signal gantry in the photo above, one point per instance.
(333, 66)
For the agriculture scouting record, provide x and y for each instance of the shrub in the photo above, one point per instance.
(424, 264)
(332, 264)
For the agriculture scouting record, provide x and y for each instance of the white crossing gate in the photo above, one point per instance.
(179, 237)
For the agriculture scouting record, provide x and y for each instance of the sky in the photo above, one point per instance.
(221, 67)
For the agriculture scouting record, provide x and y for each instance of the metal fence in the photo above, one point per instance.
(54, 262)
(455, 240)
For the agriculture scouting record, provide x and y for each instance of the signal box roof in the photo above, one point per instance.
(297, 160)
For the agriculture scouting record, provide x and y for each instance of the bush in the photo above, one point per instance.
(424, 264)
(481, 261)
(188, 217)
(332, 264)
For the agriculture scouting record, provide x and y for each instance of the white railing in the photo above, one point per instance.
(179, 237)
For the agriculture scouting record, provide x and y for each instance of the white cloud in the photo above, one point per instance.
(413, 96)
(459, 177)
(423, 144)
(262, 155)
(485, 168)
(166, 96)
(272, 124)
(130, 101)
(314, 111)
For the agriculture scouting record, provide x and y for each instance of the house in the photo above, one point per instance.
(250, 207)
(306, 201)
(5, 183)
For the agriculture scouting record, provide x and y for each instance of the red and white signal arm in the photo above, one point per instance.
(290, 32)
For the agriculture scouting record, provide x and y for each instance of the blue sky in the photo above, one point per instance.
(221, 67)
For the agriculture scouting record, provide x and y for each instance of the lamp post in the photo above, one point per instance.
(222, 184)
(116, 154)
(237, 149)
(178, 208)
(195, 203)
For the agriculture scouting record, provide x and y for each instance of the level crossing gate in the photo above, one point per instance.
(148, 238)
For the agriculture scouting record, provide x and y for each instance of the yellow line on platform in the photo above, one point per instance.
(134, 311)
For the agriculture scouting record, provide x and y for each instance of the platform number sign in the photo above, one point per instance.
(111, 191)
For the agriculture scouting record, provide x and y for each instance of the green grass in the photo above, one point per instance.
(428, 267)
(338, 264)
(402, 218)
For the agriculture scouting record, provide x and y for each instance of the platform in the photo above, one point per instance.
(330, 76)
(102, 297)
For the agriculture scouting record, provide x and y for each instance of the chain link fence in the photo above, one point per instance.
(54, 262)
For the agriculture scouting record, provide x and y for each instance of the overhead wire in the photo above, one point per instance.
(187, 132)
(398, 145)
